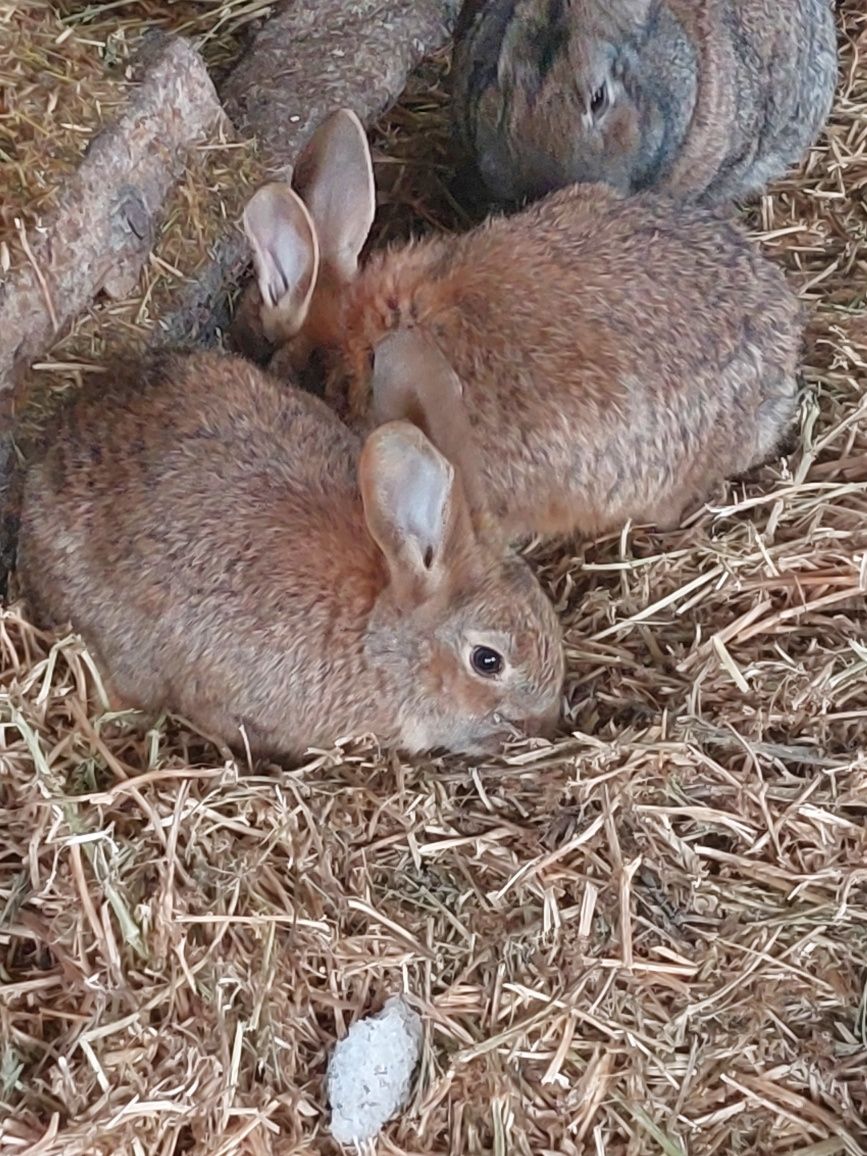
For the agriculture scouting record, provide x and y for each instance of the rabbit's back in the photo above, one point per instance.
(176, 460)
(186, 522)
(771, 69)
(621, 346)
(590, 284)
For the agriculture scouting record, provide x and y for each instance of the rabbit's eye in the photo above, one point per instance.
(486, 661)
(599, 101)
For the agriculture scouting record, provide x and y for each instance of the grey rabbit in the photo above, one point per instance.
(705, 99)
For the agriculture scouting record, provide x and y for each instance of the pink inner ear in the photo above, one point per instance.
(406, 488)
(285, 249)
(335, 178)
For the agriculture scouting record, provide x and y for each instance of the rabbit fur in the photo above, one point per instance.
(233, 553)
(704, 99)
(618, 357)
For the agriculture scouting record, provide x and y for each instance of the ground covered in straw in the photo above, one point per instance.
(649, 937)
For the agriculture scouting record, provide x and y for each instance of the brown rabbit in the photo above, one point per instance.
(233, 553)
(708, 99)
(618, 357)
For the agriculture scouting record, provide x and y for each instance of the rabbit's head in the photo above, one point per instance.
(548, 94)
(462, 626)
(306, 243)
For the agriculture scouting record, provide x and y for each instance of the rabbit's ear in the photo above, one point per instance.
(410, 374)
(334, 175)
(412, 381)
(285, 252)
(411, 508)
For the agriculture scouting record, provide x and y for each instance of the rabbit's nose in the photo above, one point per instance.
(542, 726)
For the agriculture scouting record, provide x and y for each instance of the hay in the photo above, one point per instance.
(220, 177)
(649, 938)
(219, 28)
(63, 71)
(65, 76)
(58, 91)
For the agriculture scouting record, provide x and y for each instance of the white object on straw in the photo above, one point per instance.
(370, 1071)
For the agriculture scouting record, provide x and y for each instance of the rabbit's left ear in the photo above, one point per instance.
(412, 381)
(334, 177)
(412, 509)
(285, 254)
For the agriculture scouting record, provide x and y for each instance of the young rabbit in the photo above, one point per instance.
(233, 553)
(706, 99)
(618, 357)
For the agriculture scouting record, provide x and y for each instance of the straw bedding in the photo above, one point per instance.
(63, 74)
(51, 123)
(649, 937)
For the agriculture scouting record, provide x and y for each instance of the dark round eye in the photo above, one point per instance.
(599, 100)
(486, 661)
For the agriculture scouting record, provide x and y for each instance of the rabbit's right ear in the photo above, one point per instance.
(410, 506)
(334, 176)
(413, 381)
(285, 253)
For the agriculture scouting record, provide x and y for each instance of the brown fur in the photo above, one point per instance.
(619, 358)
(202, 526)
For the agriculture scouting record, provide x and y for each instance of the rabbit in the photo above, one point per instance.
(233, 553)
(616, 357)
(704, 99)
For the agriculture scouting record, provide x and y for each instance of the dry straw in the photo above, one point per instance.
(649, 937)
(96, 43)
(63, 71)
